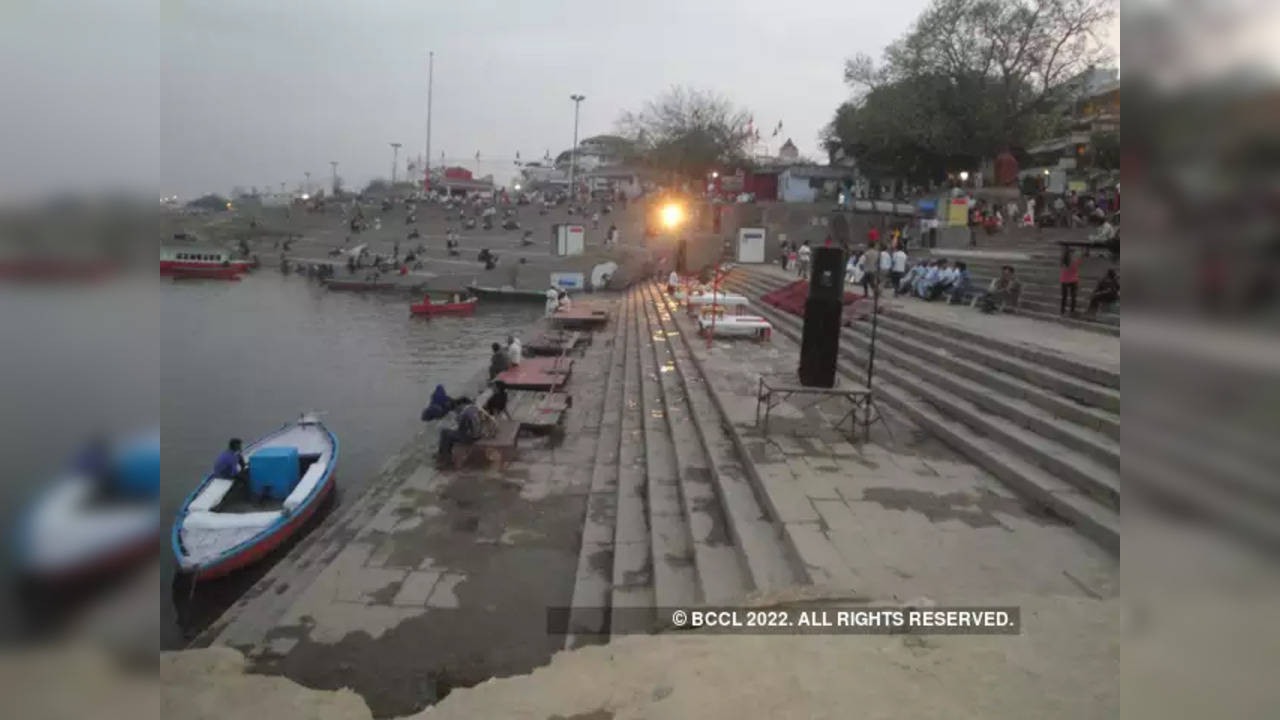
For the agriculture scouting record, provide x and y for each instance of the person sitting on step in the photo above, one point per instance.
(1106, 292)
(497, 403)
(466, 432)
(959, 285)
(1003, 291)
(929, 279)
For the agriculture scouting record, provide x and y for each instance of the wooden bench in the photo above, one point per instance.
(498, 450)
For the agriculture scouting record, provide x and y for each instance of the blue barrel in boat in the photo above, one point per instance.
(273, 472)
(137, 468)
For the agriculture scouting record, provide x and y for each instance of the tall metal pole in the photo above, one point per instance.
(395, 160)
(573, 154)
(307, 189)
(431, 65)
(333, 166)
(871, 354)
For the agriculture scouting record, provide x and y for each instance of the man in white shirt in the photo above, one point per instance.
(552, 296)
(853, 271)
(930, 278)
(802, 259)
(515, 351)
(898, 267)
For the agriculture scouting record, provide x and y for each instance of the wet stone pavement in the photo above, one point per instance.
(444, 579)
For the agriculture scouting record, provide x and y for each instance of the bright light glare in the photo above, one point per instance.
(715, 174)
(305, 196)
(964, 176)
(672, 214)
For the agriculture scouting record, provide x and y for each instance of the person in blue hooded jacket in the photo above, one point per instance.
(440, 405)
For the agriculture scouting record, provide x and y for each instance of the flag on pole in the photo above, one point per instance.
(777, 129)
(477, 156)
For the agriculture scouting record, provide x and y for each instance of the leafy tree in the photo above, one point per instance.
(211, 202)
(1106, 150)
(688, 133)
(969, 79)
(377, 186)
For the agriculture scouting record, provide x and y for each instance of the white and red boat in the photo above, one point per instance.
(200, 260)
(225, 525)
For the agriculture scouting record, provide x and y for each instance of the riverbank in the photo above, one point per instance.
(433, 579)
(671, 496)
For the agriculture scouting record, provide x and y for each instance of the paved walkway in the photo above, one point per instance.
(1090, 347)
(900, 517)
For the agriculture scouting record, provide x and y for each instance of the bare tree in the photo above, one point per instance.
(688, 132)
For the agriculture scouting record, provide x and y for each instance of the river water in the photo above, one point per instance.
(240, 359)
(210, 360)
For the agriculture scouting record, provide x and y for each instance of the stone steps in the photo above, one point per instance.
(1066, 395)
(1085, 458)
(1074, 486)
(593, 582)
(675, 571)
(1091, 431)
(633, 580)
(1083, 381)
(1092, 408)
(761, 549)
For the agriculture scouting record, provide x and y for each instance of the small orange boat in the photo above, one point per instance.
(427, 307)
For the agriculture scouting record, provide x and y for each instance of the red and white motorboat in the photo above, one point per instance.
(192, 259)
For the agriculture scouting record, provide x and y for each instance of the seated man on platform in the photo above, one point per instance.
(467, 432)
(1002, 291)
(497, 403)
(515, 351)
(498, 362)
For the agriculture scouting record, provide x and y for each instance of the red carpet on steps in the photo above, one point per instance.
(791, 297)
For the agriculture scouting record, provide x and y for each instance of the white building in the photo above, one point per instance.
(806, 183)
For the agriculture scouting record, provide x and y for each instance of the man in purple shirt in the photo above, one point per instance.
(230, 464)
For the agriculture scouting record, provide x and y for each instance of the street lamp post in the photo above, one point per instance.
(395, 160)
(307, 189)
(333, 167)
(426, 170)
(573, 154)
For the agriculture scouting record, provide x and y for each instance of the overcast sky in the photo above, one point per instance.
(209, 94)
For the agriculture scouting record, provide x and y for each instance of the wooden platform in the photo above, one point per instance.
(538, 412)
(538, 373)
(583, 318)
(555, 343)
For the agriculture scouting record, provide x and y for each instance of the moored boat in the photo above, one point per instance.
(333, 284)
(228, 524)
(507, 292)
(209, 273)
(84, 527)
(199, 259)
(428, 307)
